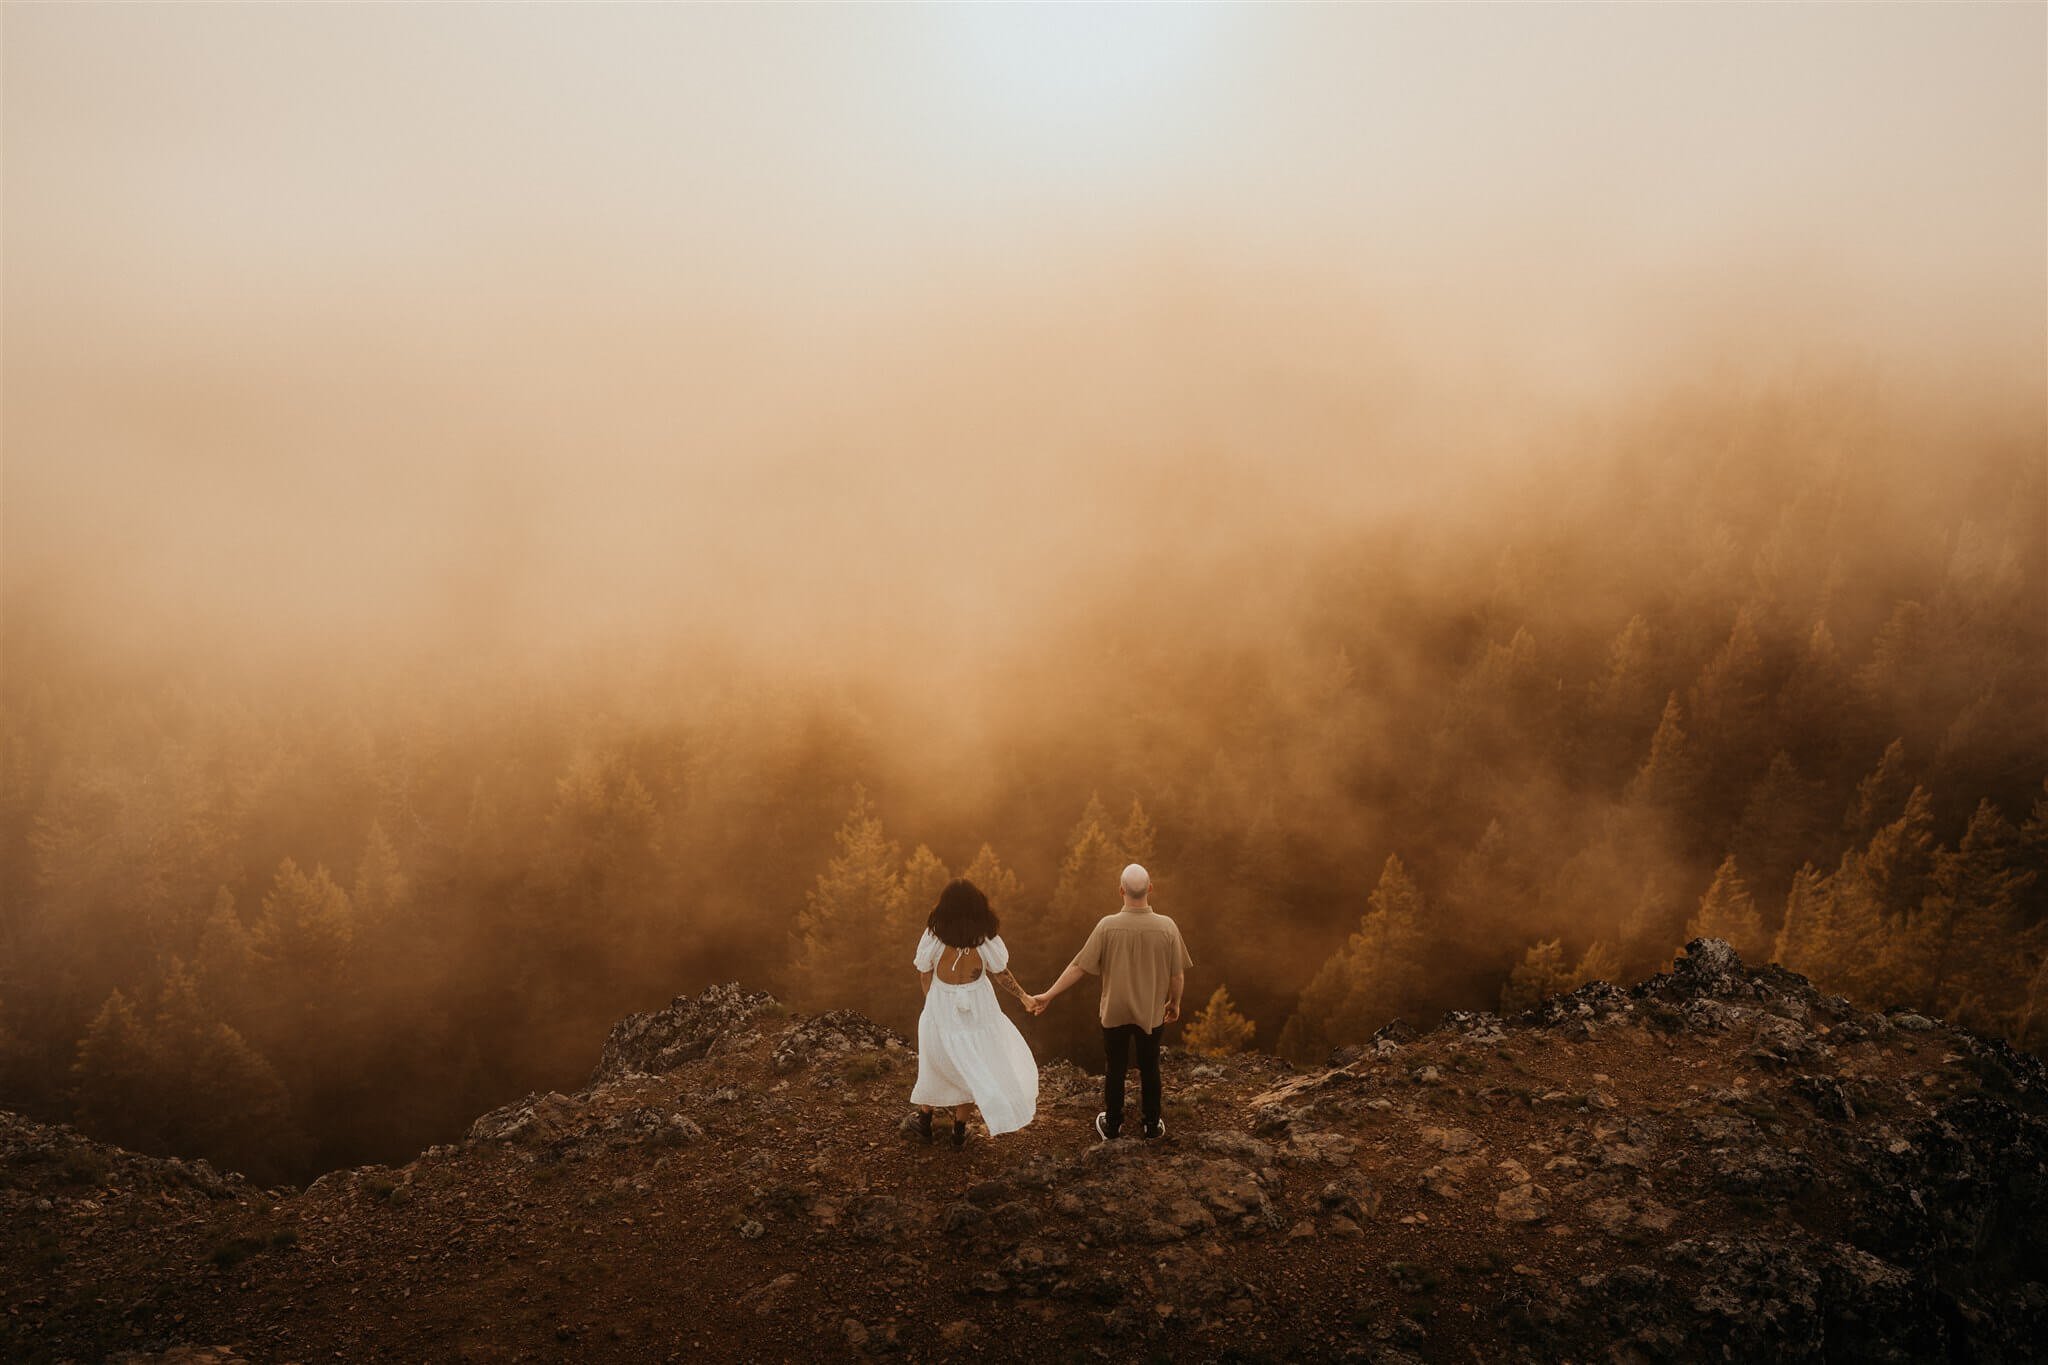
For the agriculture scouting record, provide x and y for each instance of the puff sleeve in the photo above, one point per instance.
(927, 952)
(995, 955)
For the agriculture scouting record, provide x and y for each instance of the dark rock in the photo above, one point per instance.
(963, 1217)
(1477, 1026)
(1782, 1043)
(878, 1217)
(1225, 1142)
(1877, 1311)
(660, 1041)
(1973, 1176)
(1763, 1169)
(1708, 966)
(833, 1034)
(1826, 1095)
(1271, 1120)
(2001, 1068)
(536, 1118)
(1753, 1300)
(1341, 1200)
(1015, 1219)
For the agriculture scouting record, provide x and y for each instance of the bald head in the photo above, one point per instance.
(1136, 882)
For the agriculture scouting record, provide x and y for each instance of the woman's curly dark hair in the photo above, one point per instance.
(963, 917)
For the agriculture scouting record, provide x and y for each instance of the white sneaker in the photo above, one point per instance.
(1160, 1132)
(1102, 1126)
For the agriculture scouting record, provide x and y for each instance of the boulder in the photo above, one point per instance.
(828, 1036)
(659, 1041)
(534, 1119)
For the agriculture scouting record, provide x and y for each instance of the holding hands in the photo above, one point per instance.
(1035, 1003)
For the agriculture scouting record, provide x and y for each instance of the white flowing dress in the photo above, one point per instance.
(968, 1051)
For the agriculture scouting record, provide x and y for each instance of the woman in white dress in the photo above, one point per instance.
(968, 1052)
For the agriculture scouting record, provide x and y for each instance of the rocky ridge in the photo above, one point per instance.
(1717, 1163)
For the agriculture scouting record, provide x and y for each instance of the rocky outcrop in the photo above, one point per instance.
(1717, 1163)
(830, 1036)
(44, 1159)
(658, 1042)
(537, 1118)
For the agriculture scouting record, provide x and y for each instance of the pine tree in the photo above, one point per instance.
(1953, 943)
(997, 882)
(1218, 1030)
(1895, 680)
(1542, 973)
(1088, 884)
(1336, 703)
(1855, 933)
(305, 929)
(1600, 963)
(1652, 926)
(1727, 912)
(14, 1057)
(1376, 977)
(1625, 698)
(116, 1094)
(1872, 892)
(1485, 893)
(1252, 905)
(2033, 849)
(1135, 842)
(1973, 747)
(840, 950)
(1223, 802)
(924, 877)
(1505, 698)
(94, 881)
(1729, 701)
(2030, 1018)
(1806, 941)
(381, 886)
(1592, 890)
(1877, 795)
(1813, 704)
(223, 1100)
(1780, 826)
(227, 957)
(602, 823)
(599, 866)
(1668, 777)
(1898, 863)
(1087, 891)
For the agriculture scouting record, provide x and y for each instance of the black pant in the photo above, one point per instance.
(1116, 1048)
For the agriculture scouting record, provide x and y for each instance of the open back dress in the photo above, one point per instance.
(968, 1051)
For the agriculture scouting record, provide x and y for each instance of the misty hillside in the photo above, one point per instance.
(1719, 1162)
(512, 513)
(1704, 676)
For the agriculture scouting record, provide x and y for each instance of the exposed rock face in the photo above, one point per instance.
(1718, 1163)
(537, 1118)
(659, 1042)
(828, 1036)
(29, 1150)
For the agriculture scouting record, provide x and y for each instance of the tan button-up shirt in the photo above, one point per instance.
(1137, 953)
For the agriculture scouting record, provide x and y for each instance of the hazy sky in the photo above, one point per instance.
(323, 320)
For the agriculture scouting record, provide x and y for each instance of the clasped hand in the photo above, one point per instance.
(1035, 1003)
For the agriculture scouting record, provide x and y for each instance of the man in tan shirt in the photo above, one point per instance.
(1143, 964)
